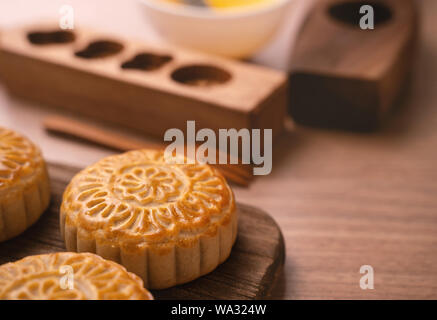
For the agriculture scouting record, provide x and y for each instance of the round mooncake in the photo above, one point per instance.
(68, 276)
(24, 184)
(168, 223)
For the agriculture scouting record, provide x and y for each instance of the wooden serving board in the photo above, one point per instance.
(249, 273)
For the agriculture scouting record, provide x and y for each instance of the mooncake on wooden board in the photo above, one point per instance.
(250, 271)
(169, 223)
(69, 276)
(24, 184)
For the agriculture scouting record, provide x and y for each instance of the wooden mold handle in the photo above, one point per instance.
(75, 128)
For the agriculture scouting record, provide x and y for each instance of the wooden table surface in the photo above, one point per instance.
(342, 200)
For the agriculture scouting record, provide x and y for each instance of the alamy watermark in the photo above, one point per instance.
(66, 17)
(367, 21)
(66, 282)
(367, 281)
(222, 150)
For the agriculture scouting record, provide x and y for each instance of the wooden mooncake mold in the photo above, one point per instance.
(168, 223)
(139, 85)
(24, 184)
(43, 277)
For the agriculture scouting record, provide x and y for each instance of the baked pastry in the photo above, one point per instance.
(68, 276)
(24, 184)
(168, 223)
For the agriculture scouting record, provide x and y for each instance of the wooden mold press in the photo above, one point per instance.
(347, 77)
(142, 87)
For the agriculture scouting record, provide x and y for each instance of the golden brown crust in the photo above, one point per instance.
(41, 278)
(169, 223)
(19, 158)
(135, 199)
(24, 184)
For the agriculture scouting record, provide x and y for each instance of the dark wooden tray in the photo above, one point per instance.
(249, 273)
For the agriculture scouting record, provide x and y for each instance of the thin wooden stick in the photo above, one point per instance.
(104, 137)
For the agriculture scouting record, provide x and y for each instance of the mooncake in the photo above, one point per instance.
(69, 276)
(24, 184)
(168, 222)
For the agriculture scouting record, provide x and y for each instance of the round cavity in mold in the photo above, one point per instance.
(349, 12)
(100, 49)
(147, 61)
(201, 75)
(50, 37)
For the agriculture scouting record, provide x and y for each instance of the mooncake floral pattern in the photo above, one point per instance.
(18, 157)
(39, 277)
(149, 185)
(141, 198)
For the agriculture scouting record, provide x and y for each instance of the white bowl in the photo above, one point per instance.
(232, 33)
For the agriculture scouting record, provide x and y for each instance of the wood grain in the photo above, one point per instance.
(250, 272)
(345, 77)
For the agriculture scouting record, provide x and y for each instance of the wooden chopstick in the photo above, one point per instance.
(91, 133)
(238, 174)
